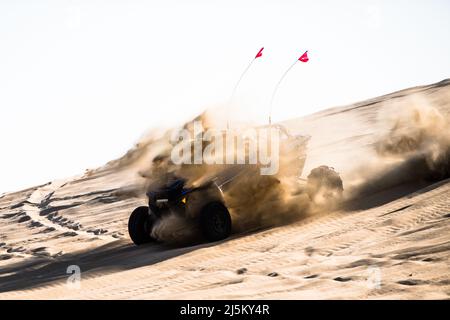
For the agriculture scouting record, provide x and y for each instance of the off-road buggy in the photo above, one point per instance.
(205, 203)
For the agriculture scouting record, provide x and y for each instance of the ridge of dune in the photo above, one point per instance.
(390, 243)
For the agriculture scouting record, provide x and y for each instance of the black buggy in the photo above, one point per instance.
(205, 204)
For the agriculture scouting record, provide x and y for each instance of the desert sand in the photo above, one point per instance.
(389, 239)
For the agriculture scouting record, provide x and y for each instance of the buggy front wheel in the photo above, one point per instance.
(140, 226)
(215, 222)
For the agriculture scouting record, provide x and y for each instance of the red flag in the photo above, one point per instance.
(304, 57)
(259, 54)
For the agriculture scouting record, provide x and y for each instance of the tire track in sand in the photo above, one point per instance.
(38, 200)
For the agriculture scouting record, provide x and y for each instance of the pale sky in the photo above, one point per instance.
(81, 81)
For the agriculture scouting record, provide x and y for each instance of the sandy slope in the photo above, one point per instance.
(392, 243)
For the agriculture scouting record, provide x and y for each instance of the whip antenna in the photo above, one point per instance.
(258, 55)
(303, 58)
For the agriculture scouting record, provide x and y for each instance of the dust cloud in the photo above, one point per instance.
(413, 146)
(254, 200)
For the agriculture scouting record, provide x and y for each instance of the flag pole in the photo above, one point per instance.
(230, 100)
(303, 58)
(276, 89)
(239, 81)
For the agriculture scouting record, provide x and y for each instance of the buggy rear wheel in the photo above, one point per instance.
(324, 185)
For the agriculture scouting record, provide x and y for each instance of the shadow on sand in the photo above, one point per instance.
(112, 257)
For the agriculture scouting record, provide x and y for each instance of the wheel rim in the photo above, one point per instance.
(147, 227)
(218, 223)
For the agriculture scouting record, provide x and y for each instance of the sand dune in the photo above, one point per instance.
(389, 239)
